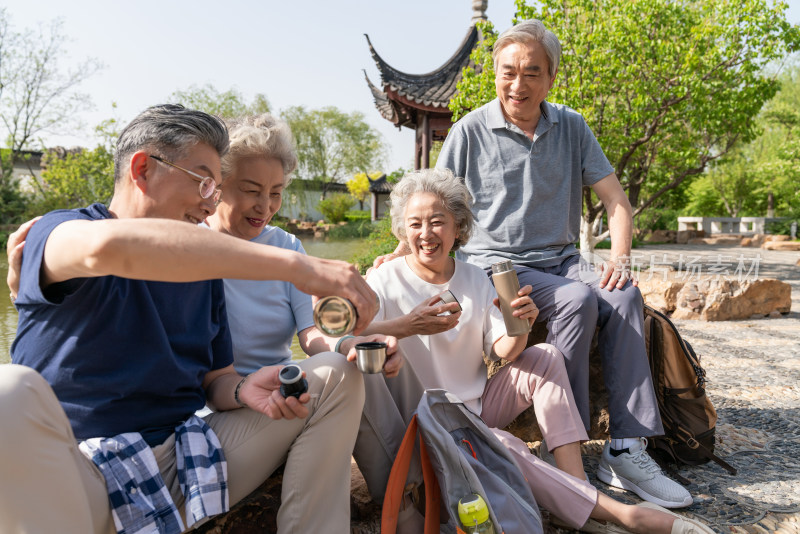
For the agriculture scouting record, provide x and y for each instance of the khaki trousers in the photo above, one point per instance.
(49, 486)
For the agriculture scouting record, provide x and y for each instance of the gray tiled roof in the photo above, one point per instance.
(431, 90)
(379, 185)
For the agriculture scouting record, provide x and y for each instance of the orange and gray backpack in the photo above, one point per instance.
(460, 456)
(687, 414)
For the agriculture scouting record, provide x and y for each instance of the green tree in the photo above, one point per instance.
(759, 178)
(227, 104)
(358, 186)
(667, 87)
(334, 208)
(332, 144)
(76, 178)
(36, 94)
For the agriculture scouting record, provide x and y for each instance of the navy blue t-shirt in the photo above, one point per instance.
(121, 355)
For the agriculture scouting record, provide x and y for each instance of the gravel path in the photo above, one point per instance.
(753, 371)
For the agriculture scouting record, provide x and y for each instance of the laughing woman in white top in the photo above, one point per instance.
(431, 213)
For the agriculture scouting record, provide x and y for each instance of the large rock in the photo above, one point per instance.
(782, 245)
(660, 291)
(662, 236)
(683, 236)
(728, 240)
(725, 300)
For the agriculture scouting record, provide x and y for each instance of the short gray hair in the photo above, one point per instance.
(261, 135)
(169, 129)
(450, 190)
(530, 31)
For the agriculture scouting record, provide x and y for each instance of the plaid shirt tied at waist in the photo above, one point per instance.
(140, 501)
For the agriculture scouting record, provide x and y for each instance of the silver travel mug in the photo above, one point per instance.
(370, 356)
(506, 284)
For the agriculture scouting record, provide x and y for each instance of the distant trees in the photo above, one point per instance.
(332, 144)
(36, 95)
(226, 104)
(667, 87)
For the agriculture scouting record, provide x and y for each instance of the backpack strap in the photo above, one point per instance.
(433, 495)
(393, 497)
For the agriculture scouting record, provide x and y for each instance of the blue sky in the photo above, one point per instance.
(308, 53)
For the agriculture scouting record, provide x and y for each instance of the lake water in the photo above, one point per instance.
(336, 250)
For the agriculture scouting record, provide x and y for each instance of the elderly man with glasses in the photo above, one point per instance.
(123, 335)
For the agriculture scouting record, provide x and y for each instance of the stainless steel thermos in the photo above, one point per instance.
(506, 284)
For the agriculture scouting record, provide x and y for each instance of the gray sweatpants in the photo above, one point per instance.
(571, 302)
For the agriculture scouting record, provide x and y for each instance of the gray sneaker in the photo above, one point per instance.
(637, 472)
(546, 455)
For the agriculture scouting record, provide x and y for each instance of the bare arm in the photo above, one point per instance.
(616, 271)
(174, 251)
(507, 347)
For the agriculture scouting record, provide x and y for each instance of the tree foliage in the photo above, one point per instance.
(76, 178)
(759, 178)
(36, 94)
(226, 104)
(335, 207)
(358, 186)
(667, 87)
(332, 144)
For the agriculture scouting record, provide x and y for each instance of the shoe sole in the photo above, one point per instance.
(612, 479)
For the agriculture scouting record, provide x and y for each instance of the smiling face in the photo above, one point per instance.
(172, 194)
(522, 81)
(251, 195)
(430, 233)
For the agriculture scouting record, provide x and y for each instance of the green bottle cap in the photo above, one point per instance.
(472, 510)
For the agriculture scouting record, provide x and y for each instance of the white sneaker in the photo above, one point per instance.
(637, 472)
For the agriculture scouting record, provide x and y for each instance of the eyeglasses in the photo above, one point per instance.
(208, 187)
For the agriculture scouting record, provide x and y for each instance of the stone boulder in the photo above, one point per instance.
(683, 236)
(725, 300)
(728, 240)
(662, 236)
(660, 292)
(782, 245)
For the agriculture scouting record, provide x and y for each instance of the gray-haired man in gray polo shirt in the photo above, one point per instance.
(525, 162)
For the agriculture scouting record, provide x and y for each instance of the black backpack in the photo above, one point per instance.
(687, 414)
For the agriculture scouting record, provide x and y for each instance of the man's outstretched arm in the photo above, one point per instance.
(175, 251)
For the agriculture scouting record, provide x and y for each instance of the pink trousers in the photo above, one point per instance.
(538, 377)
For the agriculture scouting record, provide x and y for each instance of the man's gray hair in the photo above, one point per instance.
(169, 130)
(450, 190)
(261, 135)
(531, 31)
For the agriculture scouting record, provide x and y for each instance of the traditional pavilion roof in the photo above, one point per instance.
(429, 92)
(379, 184)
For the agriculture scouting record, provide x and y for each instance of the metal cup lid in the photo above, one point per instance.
(502, 266)
(335, 316)
(447, 297)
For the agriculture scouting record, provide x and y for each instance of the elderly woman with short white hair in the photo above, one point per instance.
(431, 214)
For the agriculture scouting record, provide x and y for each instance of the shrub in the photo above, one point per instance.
(381, 241)
(357, 215)
(335, 207)
(351, 230)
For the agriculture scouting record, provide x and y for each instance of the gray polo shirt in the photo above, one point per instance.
(526, 194)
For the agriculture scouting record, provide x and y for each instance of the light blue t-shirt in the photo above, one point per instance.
(265, 314)
(526, 194)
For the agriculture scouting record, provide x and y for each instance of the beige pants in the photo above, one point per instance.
(47, 485)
